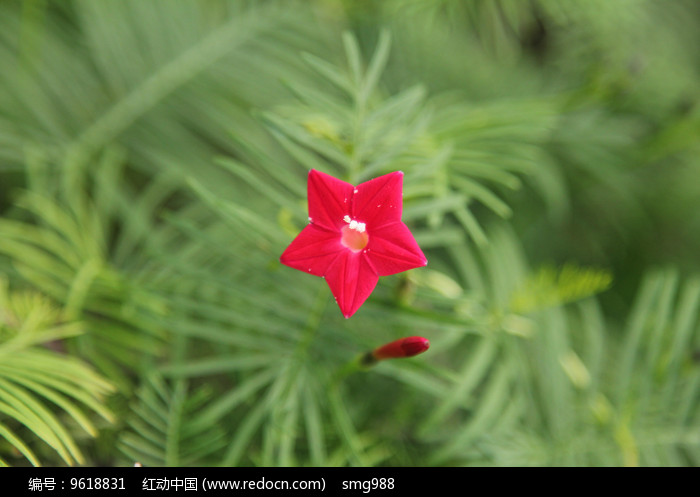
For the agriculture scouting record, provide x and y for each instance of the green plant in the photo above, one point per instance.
(153, 166)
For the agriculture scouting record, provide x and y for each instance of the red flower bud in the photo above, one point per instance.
(404, 347)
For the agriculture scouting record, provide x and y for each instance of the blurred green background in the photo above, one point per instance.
(153, 163)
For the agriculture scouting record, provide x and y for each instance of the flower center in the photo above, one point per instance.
(354, 235)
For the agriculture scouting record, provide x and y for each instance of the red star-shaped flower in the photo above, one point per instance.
(354, 236)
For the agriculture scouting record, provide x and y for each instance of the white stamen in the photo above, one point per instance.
(354, 225)
(355, 190)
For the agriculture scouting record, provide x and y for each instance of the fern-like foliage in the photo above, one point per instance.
(549, 287)
(166, 428)
(153, 165)
(66, 257)
(621, 398)
(446, 148)
(46, 397)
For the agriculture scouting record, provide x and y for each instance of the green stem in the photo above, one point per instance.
(361, 362)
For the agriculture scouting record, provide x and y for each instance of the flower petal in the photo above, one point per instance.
(313, 250)
(351, 280)
(329, 200)
(392, 249)
(379, 201)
